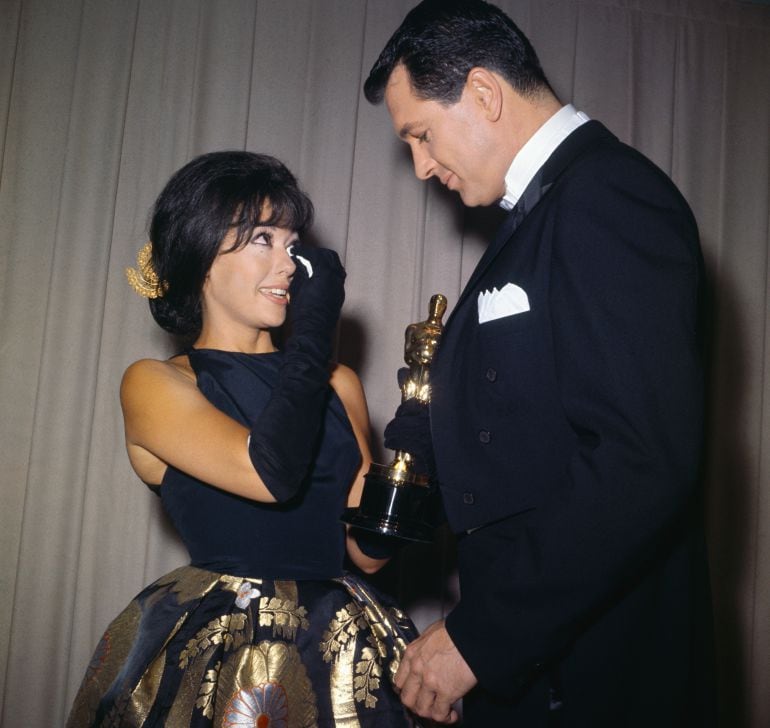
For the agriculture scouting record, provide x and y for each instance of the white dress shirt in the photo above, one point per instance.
(536, 151)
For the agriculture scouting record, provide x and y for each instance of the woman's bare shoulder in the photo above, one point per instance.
(346, 382)
(349, 389)
(147, 371)
(150, 378)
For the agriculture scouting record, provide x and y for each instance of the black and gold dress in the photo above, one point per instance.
(264, 628)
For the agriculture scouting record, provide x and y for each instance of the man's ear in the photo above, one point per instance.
(486, 91)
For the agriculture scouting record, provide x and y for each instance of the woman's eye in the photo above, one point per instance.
(263, 239)
(423, 138)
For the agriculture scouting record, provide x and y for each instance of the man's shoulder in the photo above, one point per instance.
(597, 160)
(592, 148)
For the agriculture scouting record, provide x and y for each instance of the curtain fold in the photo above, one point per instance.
(101, 100)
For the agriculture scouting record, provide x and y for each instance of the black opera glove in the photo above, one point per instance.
(376, 545)
(409, 430)
(316, 294)
(284, 438)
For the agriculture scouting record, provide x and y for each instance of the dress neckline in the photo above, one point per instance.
(194, 349)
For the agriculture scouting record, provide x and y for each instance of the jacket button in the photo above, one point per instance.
(484, 436)
(491, 375)
(468, 499)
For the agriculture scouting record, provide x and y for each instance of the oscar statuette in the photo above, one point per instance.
(395, 497)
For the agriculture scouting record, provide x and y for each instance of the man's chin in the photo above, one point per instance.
(475, 200)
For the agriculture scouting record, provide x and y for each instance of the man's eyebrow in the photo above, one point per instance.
(406, 129)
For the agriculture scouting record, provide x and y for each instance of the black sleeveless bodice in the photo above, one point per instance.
(303, 539)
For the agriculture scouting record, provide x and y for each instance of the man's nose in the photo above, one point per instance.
(424, 164)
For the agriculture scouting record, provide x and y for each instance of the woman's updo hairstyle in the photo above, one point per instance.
(199, 205)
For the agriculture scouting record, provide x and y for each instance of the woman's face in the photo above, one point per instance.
(250, 286)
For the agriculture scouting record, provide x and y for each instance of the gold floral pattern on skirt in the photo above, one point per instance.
(268, 683)
(199, 648)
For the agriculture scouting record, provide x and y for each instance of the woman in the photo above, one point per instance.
(255, 457)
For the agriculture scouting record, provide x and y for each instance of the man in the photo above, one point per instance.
(566, 416)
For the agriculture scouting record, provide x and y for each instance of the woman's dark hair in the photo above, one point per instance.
(198, 206)
(440, 41)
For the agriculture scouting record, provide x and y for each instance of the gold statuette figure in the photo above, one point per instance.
(394, 496)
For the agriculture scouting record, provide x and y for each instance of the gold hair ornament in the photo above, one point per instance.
(145, 281)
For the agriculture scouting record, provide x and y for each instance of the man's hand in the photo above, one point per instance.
(433, 675)
(409, 430)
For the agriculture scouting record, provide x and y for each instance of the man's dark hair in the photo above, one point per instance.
(440, 41)
(199, 205)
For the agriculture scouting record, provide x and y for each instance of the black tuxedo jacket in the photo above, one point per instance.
(567, 441)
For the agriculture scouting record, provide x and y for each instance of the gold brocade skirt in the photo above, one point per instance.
(199, 648)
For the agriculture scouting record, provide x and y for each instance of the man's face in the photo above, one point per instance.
(453, 143)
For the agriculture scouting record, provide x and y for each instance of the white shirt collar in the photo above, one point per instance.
(536, 151)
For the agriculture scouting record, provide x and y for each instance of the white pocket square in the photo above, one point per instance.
(508, 301)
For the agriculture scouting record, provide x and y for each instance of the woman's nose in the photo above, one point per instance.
(286, 263)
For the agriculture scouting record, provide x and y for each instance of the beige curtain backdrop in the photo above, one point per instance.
(101, 100)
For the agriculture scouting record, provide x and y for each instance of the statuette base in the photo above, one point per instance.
(393, 504)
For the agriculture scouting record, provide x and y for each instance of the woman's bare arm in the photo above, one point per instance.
(348, 387)
(168, 421)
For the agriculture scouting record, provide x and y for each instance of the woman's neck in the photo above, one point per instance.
(247, 342)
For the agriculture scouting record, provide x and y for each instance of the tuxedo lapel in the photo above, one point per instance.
(527, 201)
